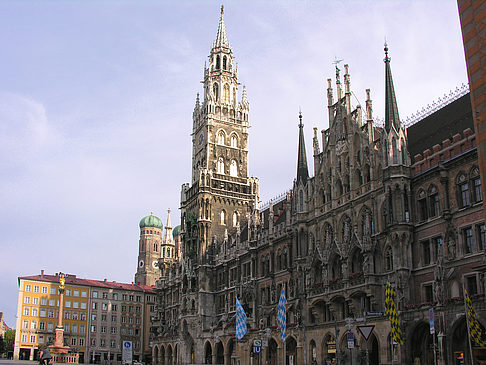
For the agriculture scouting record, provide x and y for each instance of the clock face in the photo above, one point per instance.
(141, 263)
(155, 264)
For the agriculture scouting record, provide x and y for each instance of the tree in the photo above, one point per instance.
(2, 346)
(9, 340)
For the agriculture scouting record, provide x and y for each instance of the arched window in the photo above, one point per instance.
(224, 63)
(403, 151)
(233, 168)
(218, 62)
(226, 93)
(234, 141)
(394, 151)
(221, 137)
(216, 91)
(235, 219)
(434, 204)
(223, 217)
(220, 166)
(301, 201)
(477, 193)
(388, 259)
(367, 177)
(463, 196)
(422, 206)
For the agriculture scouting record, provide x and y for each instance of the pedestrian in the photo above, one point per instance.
(46, 357)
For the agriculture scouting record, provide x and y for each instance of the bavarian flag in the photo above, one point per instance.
(391, 312)
(476, 330)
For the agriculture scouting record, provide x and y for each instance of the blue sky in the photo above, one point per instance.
(96, 101)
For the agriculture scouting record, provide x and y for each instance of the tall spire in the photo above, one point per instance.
(168, 229)
(221, 40)
(391, 108)
(302, 171)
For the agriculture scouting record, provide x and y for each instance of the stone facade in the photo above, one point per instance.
(369, 214)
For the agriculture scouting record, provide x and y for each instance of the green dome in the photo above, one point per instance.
(151, 221)
(176, 231)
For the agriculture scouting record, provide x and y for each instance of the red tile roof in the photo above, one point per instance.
(72, 279)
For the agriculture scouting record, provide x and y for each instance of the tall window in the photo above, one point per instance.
(463, 191)
(234, 141)
(220, 167)
(388, 259)
(481, 237)
(226, 93)
(394, 151)
(221, 137)
(223, 217)
(216, 91)
(476, 185)
(426, 252)
(434, 206)
(467, 235)
(301, 201)
(233, 168)
(235, 219)
(422, 206)
(224, 63)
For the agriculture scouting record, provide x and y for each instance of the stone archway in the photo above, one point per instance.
(162, 355)
(291, 350)
(421, 342)
(208, 353)
(170, 361)
(219, 353)
(328, 349)
(155, 355)
(272, 354)
(230, 352)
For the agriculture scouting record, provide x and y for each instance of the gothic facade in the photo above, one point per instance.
(385, 203)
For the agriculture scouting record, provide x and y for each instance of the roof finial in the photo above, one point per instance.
(387, 59)
(300, 117)
(222, 9)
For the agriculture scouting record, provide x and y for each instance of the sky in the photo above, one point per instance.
(96, 102)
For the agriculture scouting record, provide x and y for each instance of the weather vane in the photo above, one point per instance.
(336, 63)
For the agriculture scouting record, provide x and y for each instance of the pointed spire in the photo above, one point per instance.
(221, 40)
(391, 108)
(302, 171)
(168, 230)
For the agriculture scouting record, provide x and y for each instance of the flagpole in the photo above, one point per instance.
(468, 330)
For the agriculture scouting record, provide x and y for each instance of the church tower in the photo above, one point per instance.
(222, 194)
(149, 250)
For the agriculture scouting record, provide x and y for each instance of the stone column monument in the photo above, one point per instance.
(58, 347)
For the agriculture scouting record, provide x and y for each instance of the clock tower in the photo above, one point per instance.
(221, 194)
(150, 245)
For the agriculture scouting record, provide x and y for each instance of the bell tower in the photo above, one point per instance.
(149, 250)
(221, 194)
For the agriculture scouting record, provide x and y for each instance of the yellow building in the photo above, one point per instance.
(37, 314)
(98, 316)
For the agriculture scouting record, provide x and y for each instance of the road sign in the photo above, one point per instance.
(366, 330)
(257, 343)
(257, 349)
(350, 338)
(431, 320)
(127, 352)
(374, 314)
(264, 343)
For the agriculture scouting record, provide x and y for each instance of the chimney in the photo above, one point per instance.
(104, 280)
(42, 273)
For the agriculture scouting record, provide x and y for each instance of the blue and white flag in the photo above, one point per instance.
(282, 314)
(240, 320)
